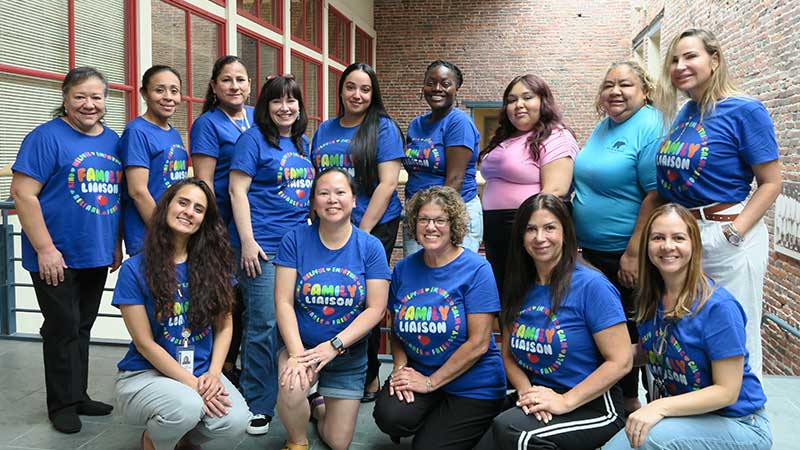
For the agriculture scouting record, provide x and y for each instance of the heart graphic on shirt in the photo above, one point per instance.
(424, 340)
(328, 310)
(533, 358)
(102, 200)
(671, 175)
(300, 193)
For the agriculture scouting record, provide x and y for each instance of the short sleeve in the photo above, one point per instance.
(395, 285)
(390, 143)
(287, 251)
(128, 290)
(482, 295)
(37, 157)
(757, 142)
(560, 144)
(134, 149)
(723, 330)
(245, 155)
(602, 305)
(203, 137)
(375, 265)
(646, 165)
(460, 132)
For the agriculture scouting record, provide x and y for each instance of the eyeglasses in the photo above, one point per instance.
(287, 76)
(438, 221)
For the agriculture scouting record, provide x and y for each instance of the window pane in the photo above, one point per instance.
(297, 70)
(33, 35)
(338, 40)
(269, 11)
(205, 50)
(312, 93)
(248, 48)
(305, 21)
(179, 121)
(169, 37)
(333, 94)
(105, 51)
(248, 6)
(363, 47)
(270, 58)
(116, 112)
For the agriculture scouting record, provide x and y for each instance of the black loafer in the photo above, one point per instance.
(94, 408)
(66, 421)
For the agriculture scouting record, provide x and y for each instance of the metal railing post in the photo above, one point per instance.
(8, 323)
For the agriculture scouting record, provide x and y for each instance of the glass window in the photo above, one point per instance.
(261, 59)
(333, 92)
(266, 12)
(363, 47)
(307, 73)
(306, 22)
(338, 36)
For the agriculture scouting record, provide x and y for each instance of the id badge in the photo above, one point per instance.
(185, 353)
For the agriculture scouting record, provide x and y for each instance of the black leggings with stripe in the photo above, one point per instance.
(586, 428)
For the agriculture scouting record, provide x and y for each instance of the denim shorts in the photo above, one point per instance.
(345, 375)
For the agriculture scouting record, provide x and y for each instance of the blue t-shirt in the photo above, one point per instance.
(558, 350)
(145, 144)
(214, 134)
(331, 148)
(711, 161)
(331, 284)
(430, 308)
(280, 187)
(425, 151)
(132, 289)
(692, 343)
(613, 172)
(81, 178)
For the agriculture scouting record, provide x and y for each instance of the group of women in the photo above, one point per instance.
(286, 244)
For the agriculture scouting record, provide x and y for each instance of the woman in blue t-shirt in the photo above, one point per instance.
(152, 153)
(442, 149)
(615, 187)
(447, 382)
(270, 184)
(66, 190)
(366, 142)
(331, 285)
(176, 298)
(565, 343)
(719, 141)
(693, 342)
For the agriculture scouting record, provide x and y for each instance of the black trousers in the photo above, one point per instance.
(387, 234)
(586, 428)
(69, 311)
(238, 328)
(608, 263)
(436, 420)
(497, 239)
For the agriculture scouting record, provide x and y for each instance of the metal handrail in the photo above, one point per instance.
(782, 324)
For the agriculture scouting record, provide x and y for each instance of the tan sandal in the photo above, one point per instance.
(292, 446)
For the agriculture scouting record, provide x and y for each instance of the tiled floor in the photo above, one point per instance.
(24, 424)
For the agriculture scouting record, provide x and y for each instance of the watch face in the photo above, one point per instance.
(336, 343)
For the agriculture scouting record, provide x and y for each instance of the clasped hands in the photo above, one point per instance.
(405, 381)
(215, 398)
(543, 403)
(301, 369)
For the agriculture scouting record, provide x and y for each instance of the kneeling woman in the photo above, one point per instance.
(447, 383)
(176, 299)
(331, 283)
(692, 334)
(565, 342)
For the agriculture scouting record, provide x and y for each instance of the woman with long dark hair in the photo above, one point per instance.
(176, 298)
(365, 141)
(70, 222)
(565, 344)
(531, 151)
(270, 186)
(692, 330)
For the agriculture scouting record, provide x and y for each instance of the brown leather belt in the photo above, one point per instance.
(710, 212)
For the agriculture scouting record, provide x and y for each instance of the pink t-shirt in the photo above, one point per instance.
(511, 176)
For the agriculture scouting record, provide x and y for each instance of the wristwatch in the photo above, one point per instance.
(731, 234)
(337, 345)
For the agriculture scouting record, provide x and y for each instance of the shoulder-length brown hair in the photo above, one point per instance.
(651, 284)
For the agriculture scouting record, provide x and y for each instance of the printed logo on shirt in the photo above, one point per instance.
(541, 350)
(427, 320)
(682, 157)
(295, 176)
(324, 160)
(422, 154)
(330, 295)
(618, 146)
(176, 320)
(94, 181)
(175, 165)
(674, 367)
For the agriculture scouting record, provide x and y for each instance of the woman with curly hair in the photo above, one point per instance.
(447, 383)
(176, 299)
(531, 151)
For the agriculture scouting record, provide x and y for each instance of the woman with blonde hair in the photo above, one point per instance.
(718, 142)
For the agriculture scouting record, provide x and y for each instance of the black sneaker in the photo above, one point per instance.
(259, 424)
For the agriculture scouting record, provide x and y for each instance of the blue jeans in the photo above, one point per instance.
(472, 240)
(703, 432)
(259, 379)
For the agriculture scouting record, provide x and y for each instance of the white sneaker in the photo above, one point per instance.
(259, 424)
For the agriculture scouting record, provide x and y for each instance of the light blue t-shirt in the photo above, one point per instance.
(280, 187)
(331, 148)
(613, 173)
(214, 134)
(425, 151)
(331, 289)
(430, 307)
(144, 144)
(81, 178)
